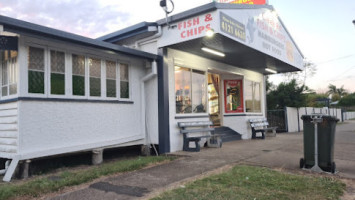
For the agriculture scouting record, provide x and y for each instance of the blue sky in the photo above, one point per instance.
(322, 29)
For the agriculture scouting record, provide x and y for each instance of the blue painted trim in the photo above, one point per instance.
(242, 115)
(64, 100)
(189, 117)
(163, 103)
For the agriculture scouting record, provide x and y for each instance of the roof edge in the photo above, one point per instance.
(11, 24)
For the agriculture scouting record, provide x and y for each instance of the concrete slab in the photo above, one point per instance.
(282, 151)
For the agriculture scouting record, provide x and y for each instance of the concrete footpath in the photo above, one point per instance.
(283, 151)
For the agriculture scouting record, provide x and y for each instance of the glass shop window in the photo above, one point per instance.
(35, 70)
(190, 90)
(57, 79)
(252, 96)
(8, 61)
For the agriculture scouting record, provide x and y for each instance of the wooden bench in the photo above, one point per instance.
(193, 132)
(261, 125)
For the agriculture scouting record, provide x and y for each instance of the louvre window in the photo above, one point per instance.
(8, 62)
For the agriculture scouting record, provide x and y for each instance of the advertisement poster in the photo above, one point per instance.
(233, 96)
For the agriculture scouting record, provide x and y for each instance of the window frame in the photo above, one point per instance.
(70, 62)
(16, 67)
(192, 114)
(118, 85)
(245, 89)
(29, 94)
(120, 62)
(87, 82)
(50, 73)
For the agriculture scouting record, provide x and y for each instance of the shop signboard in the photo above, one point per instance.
(233, 96)
(262, 30)
(258, 2)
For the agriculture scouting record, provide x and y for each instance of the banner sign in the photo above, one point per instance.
(232, 27)
(233, 96)
(256, 2)
(8, 43)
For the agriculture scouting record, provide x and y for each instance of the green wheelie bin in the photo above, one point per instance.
(326, 134)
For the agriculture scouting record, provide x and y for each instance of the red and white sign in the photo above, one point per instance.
(257, 2)
(194, 26)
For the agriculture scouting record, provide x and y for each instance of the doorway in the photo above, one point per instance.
(213, 99)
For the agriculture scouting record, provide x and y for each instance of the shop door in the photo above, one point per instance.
(213, 99)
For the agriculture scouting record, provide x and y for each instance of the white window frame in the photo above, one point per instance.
(50, 95)
(117, 78)
(28, 45)
(88, 76)
(16, 67)
(192, 114)
(261, 99)
(129, 81)
(70, 93)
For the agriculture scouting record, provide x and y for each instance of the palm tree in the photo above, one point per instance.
(333, 90)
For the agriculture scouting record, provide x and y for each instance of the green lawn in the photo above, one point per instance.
(245, 182)
(42, 185)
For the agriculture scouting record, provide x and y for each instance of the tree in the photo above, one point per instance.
(337, 92)
(309, 70)
(287, 94)
(348, 100)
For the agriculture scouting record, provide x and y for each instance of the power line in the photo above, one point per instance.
(338, 76)
(334, 59)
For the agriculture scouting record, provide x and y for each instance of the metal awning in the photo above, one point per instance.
(236, 54)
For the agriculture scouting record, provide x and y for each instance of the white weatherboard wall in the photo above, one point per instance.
(8, 129)
(237, 122)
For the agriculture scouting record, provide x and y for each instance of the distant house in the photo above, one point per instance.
(63, 93)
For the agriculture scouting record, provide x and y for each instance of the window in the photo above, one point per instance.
(95, 77)
(57, 77)
(8, 60)
(124, 81)
(78, 64)
(252, 96)
(35, 70)
(111, 75)
(190, 90)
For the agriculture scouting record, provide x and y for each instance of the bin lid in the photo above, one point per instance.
(323, 116)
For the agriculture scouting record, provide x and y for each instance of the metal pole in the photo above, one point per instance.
(316, 120)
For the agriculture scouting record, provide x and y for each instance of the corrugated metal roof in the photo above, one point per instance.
(19, 26)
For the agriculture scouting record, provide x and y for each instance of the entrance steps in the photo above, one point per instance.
(227, 134)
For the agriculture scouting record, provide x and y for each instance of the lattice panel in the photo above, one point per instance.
(57, 62)
(78, 63)
(36, 58)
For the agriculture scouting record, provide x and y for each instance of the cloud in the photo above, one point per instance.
(91, 18)
(84, 17)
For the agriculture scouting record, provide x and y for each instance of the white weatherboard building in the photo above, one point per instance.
(64, 93)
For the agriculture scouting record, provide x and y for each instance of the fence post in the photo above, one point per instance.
(286, 119)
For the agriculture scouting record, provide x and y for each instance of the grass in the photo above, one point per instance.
(245, 182)
(43, 185)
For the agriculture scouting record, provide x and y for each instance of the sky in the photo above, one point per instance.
(322, 29)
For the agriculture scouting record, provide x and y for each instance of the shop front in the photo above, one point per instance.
(215, 60)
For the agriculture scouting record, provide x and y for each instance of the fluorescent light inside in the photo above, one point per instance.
(213, 51)
(209, 33)
(271, 70)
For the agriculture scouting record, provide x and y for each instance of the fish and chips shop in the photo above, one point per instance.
(64, 93)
